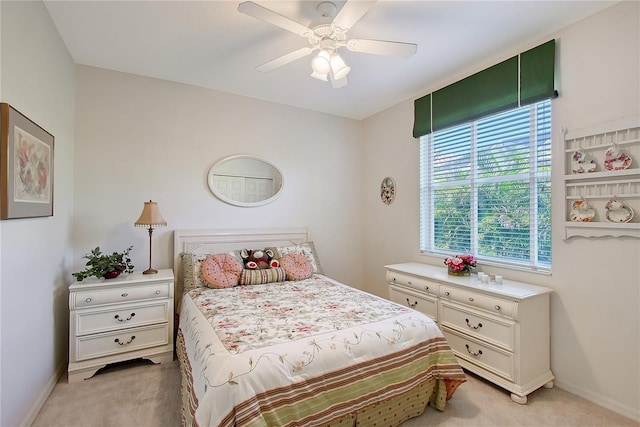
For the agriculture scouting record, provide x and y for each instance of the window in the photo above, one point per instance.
(485, 189)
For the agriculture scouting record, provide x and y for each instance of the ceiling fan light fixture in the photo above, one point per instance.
(321, 65)
(338, 67)
(320, 76)
(339, 83)
(327, 35)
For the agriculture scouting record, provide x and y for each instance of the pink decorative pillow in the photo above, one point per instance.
(220, 271)
(297, 266)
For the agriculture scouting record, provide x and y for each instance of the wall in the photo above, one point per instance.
(595, 342)
(37, 78)
(140, 138)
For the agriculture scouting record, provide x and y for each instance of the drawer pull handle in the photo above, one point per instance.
(120, 319)
(157, 292)
(497, 307)
(471, 299)
(409, 282)
(393, 280)
(447, 293)
(117, 340)
(412, 305)
(125, 295)
(476, 354)
(478, 326)
(88, 300)
(426, 288)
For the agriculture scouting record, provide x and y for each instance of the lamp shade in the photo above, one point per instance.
(150, 216)
(319, 76)
(339, 68)
(320, 65)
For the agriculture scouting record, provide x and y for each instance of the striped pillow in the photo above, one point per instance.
(259, 277)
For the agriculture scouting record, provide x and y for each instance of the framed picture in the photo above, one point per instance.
(26, 167)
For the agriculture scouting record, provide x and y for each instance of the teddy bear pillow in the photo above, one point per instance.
(258, 259)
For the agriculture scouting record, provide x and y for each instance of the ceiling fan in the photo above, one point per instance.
(327, 37)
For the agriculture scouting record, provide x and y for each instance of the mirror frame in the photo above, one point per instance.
(235, 202)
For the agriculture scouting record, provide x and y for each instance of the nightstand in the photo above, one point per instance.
(114, 320)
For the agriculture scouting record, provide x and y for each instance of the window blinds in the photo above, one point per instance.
(521, 80)
(485, 188)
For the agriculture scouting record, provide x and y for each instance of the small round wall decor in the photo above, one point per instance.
(388, 190)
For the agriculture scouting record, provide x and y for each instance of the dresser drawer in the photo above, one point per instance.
(493, 359)
(121, 294)
(414, 300)
(485, 302)
(496, 330)
(417, 283)
(106, 344)
(90, 322)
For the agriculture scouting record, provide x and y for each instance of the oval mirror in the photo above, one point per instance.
(246, 181)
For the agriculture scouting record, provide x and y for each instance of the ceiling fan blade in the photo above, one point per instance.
(350, 13)
(381, 47)
(284, 59)
(267, 15)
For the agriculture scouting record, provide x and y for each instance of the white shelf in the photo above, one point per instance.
(601, 229)
(597, 187)
(604, 174)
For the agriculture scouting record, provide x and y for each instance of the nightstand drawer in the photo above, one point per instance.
(485, 302)
(414, 300)
(106, 344)
(89, 322)
(417, 283)
(121, 294)
(492, 359)
(498, 331)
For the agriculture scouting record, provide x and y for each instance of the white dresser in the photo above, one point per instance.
(120, 319)
(498, 331)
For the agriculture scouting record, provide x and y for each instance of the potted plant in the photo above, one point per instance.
(103, 265)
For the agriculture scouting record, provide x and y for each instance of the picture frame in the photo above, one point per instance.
(26, 166)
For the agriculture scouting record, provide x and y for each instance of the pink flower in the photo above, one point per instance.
(460, 262)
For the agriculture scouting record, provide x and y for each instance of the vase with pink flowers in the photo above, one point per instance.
(460, 265)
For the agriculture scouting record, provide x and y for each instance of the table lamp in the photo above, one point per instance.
(151, 218)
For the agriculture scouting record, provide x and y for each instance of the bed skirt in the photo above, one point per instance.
(388, 412)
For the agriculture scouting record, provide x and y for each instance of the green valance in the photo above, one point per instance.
(520, 80)
(422, 116)
(536, 73)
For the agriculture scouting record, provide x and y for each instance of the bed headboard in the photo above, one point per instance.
(217, 241)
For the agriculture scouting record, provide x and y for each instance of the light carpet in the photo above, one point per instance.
(140, 394)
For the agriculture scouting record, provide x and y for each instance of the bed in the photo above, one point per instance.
(303, 351)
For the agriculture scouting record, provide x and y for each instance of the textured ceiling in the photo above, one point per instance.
(210, 44)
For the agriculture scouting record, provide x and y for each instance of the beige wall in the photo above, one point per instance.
(595, 321)
(134, 139)
(140, 138)
(37, 78)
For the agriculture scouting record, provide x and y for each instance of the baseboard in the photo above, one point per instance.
(42, 398)
(598, 399)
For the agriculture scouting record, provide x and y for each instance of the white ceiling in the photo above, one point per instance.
(210, 44)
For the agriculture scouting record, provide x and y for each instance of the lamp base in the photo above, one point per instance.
(150, 271)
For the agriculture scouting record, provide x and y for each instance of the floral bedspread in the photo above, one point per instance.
(304, 353)
(251, 317)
